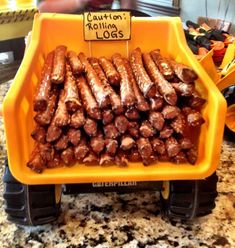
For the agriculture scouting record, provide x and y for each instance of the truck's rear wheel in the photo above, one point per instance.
(30, 204)
(188, 199)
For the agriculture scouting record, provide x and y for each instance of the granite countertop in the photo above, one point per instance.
(126, 220)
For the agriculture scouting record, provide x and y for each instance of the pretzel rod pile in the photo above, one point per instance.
(114, 110)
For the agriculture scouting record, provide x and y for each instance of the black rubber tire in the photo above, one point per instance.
(229, 95)
(29, 204)
(190, 199)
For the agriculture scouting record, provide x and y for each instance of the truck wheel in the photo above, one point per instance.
(30, 204)
(186, 200)
(229, 129)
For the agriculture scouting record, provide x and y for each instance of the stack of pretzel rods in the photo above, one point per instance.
(113, 110)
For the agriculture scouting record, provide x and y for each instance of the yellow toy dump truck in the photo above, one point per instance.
(224, 78)
(187, 190)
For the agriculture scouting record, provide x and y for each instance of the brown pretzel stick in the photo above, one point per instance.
(115, 99)
(90, 127)
(163, 64)
(88, 99)
(72, 100)
(75, 63)
(144, 148)
(81, 150)
(39, 134)
(58, 71)
(183, 72)
(43, 90)
(62, 117)
(53, 132)
(97, 87)
(147, 87)
(110, 71)
(44, 118)
(126, 89)
(36, 162)
(77, 119)
(142, 104)
(164, 87)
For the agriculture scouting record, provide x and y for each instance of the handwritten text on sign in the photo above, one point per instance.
(113, 25)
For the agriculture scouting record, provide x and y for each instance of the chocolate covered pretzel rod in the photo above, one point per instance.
(36, 162)
(97, 143)
(44, 118)
(81, 150)
(74, 136)
(128, 98)
(40, 156)
(144, 147)
(90, 127)
(132, 114)
(97, 87)
(164, 87)
(62, 143)
(98, 69)
(183, 72)
(142, 104)
(39, 134)
(106, 159)
(62, 117)
(146, 85)
(53, 131)
(67, 156)
(183, 89)
(88, 99)
(163, 64)
(146, 130)
(121, 123)
(107, 116)
(72, 100)
(156, 103)
(127, 142)
(42, 94)
(58, 71)
(115, 99)
(196, 101)
(75, 63)
(77, 119)
(110, 71)
(111, 146)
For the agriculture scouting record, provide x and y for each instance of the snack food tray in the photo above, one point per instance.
(166, 33)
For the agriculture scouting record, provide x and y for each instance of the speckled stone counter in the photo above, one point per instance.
(126, 220)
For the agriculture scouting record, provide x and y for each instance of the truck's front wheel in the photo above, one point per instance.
(30, 204)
